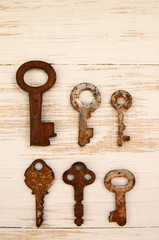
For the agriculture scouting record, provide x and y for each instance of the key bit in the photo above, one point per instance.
(39, 181)
(119, 215)
(85, 110)
(78, 176)
(39, 132)
(125, 104)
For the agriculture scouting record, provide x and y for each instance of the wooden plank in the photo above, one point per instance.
(114, 45)
(78, 234)
(81, 31)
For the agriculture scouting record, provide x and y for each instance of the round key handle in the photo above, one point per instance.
(125, 96)
(77, 104)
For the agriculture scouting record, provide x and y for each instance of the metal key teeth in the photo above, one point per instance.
(39, 210)
(78, 208)
(113, 217)
(85, 136)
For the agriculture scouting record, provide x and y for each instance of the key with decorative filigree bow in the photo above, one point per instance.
(39, 179)
(78, 176)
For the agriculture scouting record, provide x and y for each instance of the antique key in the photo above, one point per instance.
(119, 215)
(39, 181)
(85, 110)
(39, 132)
(125, 104)
(78, 176)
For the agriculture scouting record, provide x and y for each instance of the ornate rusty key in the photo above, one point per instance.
(78, 176)
(121, 100)
(39, 181)
(119, 215)
(85, 110)
(39, 132)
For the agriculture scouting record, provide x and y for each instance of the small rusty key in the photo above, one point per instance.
(119, 215)
(85, 110)
(120, 106)
(39, 181)
(40, 132)
(78, 176)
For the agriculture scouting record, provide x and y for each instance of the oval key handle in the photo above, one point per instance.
(127, 100)
(78, 175)
(75, 101)
(119, 173)
(40, 65)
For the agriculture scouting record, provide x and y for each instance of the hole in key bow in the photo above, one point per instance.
(70, 177)
(88, 177)
(86, 97)
(119, 181)
(38, 166)
(79, 167)
(121, 101)
(35, 77)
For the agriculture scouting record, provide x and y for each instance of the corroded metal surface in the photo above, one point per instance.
(39, 132)
(85, 110)
(119, 215)
(121, 107)
(39, 181)
(78, 176)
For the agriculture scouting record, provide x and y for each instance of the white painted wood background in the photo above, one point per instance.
(114, 45)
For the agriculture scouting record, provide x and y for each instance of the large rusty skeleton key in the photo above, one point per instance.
(39, 132)
(78, 176)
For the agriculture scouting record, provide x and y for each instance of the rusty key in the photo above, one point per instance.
(85, 110)
(39, 181)
(78, 176)
(40, 132)
(125, 104)
(119, 215)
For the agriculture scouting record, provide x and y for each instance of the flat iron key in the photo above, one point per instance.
(78, 176)
(85, 110)
(119, 215)
(39, 132)
(39, 180)
(121, 101)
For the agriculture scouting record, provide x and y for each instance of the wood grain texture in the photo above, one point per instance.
(114, 45)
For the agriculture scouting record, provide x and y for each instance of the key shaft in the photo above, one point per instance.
(119, 215)
(85, 133)
(39, 209)
(39, 132)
